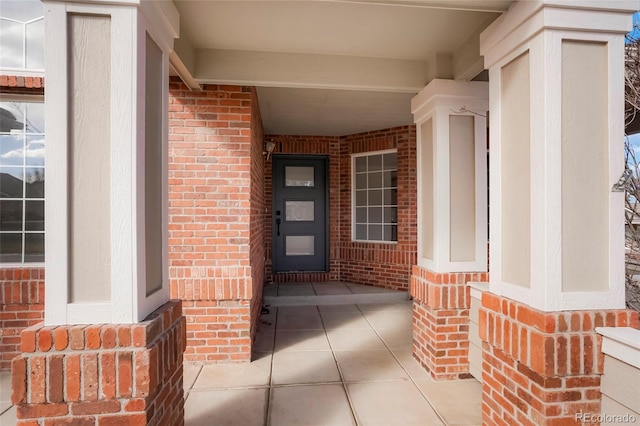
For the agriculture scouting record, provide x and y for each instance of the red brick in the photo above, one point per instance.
(60, 338)
(28, 340)
(56, 378)
(124, 336)
(588, 349)
(582, 382)
(108, 375)
(141, 374)
(575, 360)
(108, 337)
(73, 377)
(76, 337)
(31, 411)
(123, 420)
(95, 407)
(71, 421)
(89, 376)
(139, 336)
(537, 352)
(135, 404)
(18, 380)
(45, 339)
(539, 320)
(125, 374)
(37, 380)
(92, 336)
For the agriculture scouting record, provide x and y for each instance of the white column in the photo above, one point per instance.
(452, 175)
(556, 90)
(106, 100)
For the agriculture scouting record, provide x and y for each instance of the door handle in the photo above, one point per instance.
(278, 227)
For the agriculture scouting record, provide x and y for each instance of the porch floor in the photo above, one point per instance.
(7, 412)
(328, 293)
(327, 364)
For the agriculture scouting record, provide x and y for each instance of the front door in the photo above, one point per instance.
(300, 211)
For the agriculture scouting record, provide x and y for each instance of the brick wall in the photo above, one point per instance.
(215, 239)
(21, 85)
(257, 220)
(383, 265)
(21, 305)
(102, 374)
(441, 304)
(541, 368)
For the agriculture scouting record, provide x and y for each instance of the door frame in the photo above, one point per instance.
(325, 159)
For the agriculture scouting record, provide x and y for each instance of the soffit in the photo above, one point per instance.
(299, 98)
(322, 112)
(398, 30)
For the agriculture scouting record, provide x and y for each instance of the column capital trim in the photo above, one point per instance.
(528, 18)
(474, 94)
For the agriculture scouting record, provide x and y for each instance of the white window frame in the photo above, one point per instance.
(23, 264)
(23, 70)
(353, 194)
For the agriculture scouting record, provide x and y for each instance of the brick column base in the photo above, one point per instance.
(102, 374)
(21, 305)
(541, 368)
(441, 321)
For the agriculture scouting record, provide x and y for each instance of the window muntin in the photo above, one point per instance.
(22, 182)
(21, 35)
(375, 196)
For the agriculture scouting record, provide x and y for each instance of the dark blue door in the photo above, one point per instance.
(300, 232)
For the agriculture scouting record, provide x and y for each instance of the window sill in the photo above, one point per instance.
(375, 242)
(17, 265)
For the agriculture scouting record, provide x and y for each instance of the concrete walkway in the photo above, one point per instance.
(338, 364)
(7, 412)
(330, 365)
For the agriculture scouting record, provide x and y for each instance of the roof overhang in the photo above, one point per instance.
(361, 59)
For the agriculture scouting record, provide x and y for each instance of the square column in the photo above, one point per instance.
(111, 347)
(106, 102)
(556, 73)
(451, 126)
(557, 125)
(451, 122)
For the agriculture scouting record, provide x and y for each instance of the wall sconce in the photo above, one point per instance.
(269, 146)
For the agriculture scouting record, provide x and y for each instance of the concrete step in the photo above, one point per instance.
(337, 299)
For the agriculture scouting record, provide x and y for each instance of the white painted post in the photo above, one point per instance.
(106, 102)
(452, 175)
(556, 93)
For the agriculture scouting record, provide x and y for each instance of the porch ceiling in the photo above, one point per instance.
(331, 67)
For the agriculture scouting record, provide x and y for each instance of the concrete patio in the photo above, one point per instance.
(336, 364)
(328, 364)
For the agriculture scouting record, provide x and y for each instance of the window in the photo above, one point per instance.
(375, 196)
(21, 35)
(21, 182)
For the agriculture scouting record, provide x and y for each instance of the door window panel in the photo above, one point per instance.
(298, 176)
(300, 245)
(299, 211)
